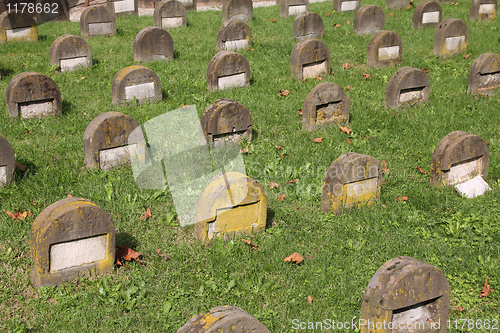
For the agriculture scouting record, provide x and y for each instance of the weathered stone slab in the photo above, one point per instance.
(135, 84)
(484, 75)
(31, 94)
(97, 20)
(325, 104)
(69, 239)
(52, 10)
(170, 14)
(352, 180)
(345, 5)
(406, 295)
(293, 7)
(107, 142)
(385, 48)
(123, 7)
(227, 69)
(451, 37)
(427, 14)
(237, 10)
(483, 10)
(17, 27)
(153, 43)
(407, 86)
(368, 20)
(7, 162)
(234, 35)
(231, 204)
(70, 53)
(396, 4)
(308, 25)
(224, 319)
(473, 187)
(309, 58)
(189, 4)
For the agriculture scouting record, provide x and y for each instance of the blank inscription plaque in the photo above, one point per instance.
(78, 252)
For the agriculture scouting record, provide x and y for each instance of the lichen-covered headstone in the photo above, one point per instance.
(308, 25)
(123, 7)
(345, 5)
(17, 27)
(153, 43)
(352, 180)
(97, 20)
(7, 162)
(107, 142)
(224, 319)
(483, 10)
(325, 104)
(31, 95)
(484, 75)
(237, 10)
(69, 239)
(427, 14)
(396, 4)
(170, 14)
(135, 84)
(227, 69)
(461, 160)
(309, 58)
(70, 53)
(407, 86)
(385, 48)
(232, 203)
(234, 35)
(406, 295)
(52, 10)
(451, 37)
(293, 7)
(368, 20)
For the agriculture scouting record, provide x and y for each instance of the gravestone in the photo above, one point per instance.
(189, 4)
(69, 239)
(461, 160)
(70, 53)
(227, 69)
(406, 295)
(31, 95)
(483, 10)
(309, 58)
(451, 37)
(308, 25)
(234, 35)
(368, 20)
(52, 10)
(484, 75)
(226, 121)
(123, 7)
(97, 20)
(7, 162)
(427, 14)
(232, 203)
(224, 319)
(293, 7)
(345, 5)
(396, 4)
(107, 142)
(325, 104)
(170, 14)
(237, 10)
(407, 86)
(17, 27)
(385, 48)
(135, 85)
(352, 180)
(153, 43)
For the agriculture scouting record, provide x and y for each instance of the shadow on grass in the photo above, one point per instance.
(125, 239)
(270, 217)
(23, 170)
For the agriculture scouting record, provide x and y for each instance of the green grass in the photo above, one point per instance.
(435, 225)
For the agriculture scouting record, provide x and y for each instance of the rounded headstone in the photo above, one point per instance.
(483, 10)
(352, 180)
(451, 37)
(407, 86)
(385, 48)
(237, 10)
(227, 69)
(309, 58)
(69, 53)
(31, 95)
(123, 7)
(135, 84)
(97, 20)
(17, 27)
(396, 4)
(7, 162)
(484, 75)
(427, 14)
(234, 35)
(293, 7)
(406, 294)
(52, 10)
(308, 25)
(170, 14)
(325, 104)
(345, 5)
(153, 43)
(232, 203)
(368, 20)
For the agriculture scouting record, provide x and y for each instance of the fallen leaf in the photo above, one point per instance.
(310, 299)
(83, 77)
(349, 141)
(273, 20)
(348, 88)
(292, 181)
(318, 78)
(327, 14)
(296, 258)
(278, 147)
(467, 56)
(421, 170)
(460, 308)
(348, 22)
(281, 197)
(486, 289)
(318, 140)
(345, 130)
(346, 65)
(244, 150)
(383, 164)
(402, 198)
(163, 255)
(69, 195)
(283, 92)
(252, 245)
(146, 215)
(283, 155)
(273, 185)
(408, 7)
(336, 25)
(21, 167)
(300, 112)
(366, 76)
(18, 215)
(425, 70)
(393, 14)
(126, 254)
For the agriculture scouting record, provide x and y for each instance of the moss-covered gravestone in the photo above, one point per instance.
(135, 85)
(407, 86)
(170, 14)
(123, 7)
(427, 14)
(70, 53)
(309, 58)
(293, 7)
(226, 70)
(234, 35)
(237, 10)
(17, 27)
(451, 37)
(7, 162)
(308, 25)
(97, 20)
(153, 43)
(384, 49)
(484, 75)
(483, 10)
(368, 20)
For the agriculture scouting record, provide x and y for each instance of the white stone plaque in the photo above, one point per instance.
(363, 191)
(3, 175)
(487, 8)
(410, 95)
(36, 109)
(171, 22)
(454, 43)
(235, 80)
(124, 6)
(186, 3)
(78, 252)
(313, 70)
(238, 44)
(430, 17)
(348, 5)
(388, 53)
(461, 172)
(473, 187)
(18, 33)
(140, 91)
(103, 28)
(296, 10)
(71, 64)
(109, 158)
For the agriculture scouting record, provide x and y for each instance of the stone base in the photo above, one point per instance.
(171, 22)
(388, 53)
(78, 252)
(36, 109)
(454, 43)
(71, 64)
(144, 91)
(313, 70)
(104, 28)
(235, 80)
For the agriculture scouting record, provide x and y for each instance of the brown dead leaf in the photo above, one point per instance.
(486, 289)
(273, 185)
(126, 254)
(348, 22)
(244, 150)
(296, 258)
(83, 78)
(408, 7)
(309, 299)
(318, 140)
(345, 130)
(283, 155)
(366, 76)
(348, 88)
(252, 245)
(383, 164)
(292, 181)
(21, 167)
(281, 197)
(273, 20)
(18, 215)
(336, 25)
(163, 255)
(318, 78)
(460, 308)
(146, 215)
(300, 112)
(421, 170)
(349, 141)
(327, 14)
(279, 147)
(346, 65)
(402, 198)
(467, 56)
(283, 92)
(425, 70)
